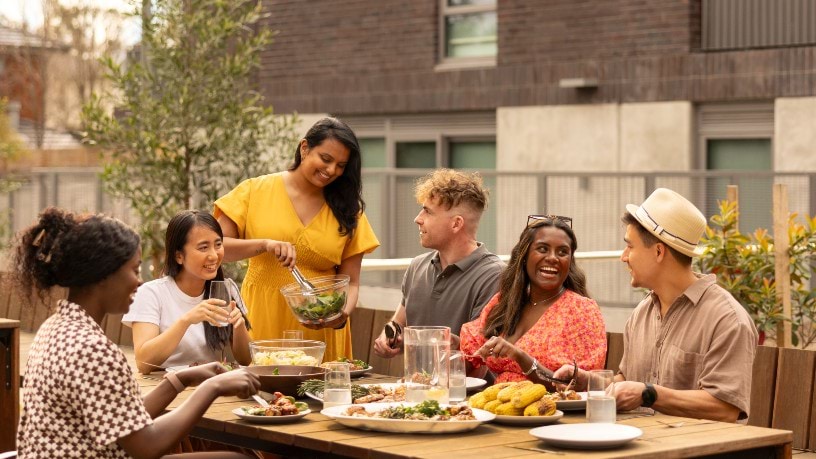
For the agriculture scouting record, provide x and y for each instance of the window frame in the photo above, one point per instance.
(455, 63)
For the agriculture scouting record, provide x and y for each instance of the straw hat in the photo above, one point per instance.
(672, 219)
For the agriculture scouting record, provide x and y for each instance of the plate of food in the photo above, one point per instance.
(360, 393)
(357, 368)
(529, 420)
(281, 409)
(574, 401)
(475, 383)
(428, 417)
(586, 435)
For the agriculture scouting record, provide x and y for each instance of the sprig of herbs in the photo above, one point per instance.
(316, 386)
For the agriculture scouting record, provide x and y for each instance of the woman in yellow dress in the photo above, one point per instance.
(312, 214)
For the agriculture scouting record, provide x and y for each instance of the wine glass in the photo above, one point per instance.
(219, 290)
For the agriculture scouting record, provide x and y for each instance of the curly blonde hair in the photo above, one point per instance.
(451, 188)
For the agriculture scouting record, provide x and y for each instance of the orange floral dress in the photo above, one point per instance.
(572, 327)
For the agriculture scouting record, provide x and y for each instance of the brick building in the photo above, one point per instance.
(560, 85)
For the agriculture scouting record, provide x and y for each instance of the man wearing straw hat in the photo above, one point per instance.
(689, 345)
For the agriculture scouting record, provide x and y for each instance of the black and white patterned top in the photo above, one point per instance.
(79, 395)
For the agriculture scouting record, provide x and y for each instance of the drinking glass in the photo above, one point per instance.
(427, 363)
(219, 290)
(337, 389)
(601, 396)
(458, 377)
(293, 334)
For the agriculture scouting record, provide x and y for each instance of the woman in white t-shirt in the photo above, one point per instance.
(174, 321)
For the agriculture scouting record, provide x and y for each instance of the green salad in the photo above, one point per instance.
(323, 306)
(426, 409)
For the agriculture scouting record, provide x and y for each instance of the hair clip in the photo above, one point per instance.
(38, 239)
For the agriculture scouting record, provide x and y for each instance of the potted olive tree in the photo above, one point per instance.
(744, 265)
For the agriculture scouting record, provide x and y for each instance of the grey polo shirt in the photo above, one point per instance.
(451, 297)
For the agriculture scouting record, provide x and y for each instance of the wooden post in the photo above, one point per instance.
(732, 195)
(782, 263)
(9, 382)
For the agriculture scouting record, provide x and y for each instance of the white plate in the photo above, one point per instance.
(529, 420)
(404, 425)
(475, 383)
(587, 436)
(359, 373)
(572, 405)
(269, 419)
(319, 397)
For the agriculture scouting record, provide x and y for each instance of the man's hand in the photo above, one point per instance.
(629, 394)
(382, 349)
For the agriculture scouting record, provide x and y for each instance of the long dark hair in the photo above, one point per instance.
(514, 283)
(175, 239)
(345, 194)
(71, 250)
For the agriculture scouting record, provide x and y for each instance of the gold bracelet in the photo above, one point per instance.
(174, 381)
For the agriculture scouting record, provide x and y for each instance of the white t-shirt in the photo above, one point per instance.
(161, 302)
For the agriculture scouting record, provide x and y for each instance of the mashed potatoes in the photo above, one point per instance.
(291, 357)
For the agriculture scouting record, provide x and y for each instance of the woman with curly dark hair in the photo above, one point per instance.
(79, 396)
(314, 210)
(542, 316)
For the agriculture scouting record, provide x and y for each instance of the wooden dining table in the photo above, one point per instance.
(315, 436)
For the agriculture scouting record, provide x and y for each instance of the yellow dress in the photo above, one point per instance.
(262, 209)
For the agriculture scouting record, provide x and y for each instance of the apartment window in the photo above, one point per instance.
(398, 150)
(738, 137)
(469, 33)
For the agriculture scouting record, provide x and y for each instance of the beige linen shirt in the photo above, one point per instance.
(706, 341)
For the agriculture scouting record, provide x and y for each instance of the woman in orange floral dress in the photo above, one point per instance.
(542, 317)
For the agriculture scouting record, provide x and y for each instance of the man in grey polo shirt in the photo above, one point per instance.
(450, 285)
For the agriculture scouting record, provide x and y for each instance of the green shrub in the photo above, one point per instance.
(744, 265)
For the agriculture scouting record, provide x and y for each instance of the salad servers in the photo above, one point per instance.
(301, 280)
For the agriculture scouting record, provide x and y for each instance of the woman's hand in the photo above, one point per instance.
(239, 383)
(210, 310)
(283, 251)
(499, 347)
(194, 376)
(334, 323)
(235, 316)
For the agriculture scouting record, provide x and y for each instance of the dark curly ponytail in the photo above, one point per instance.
(71, 250)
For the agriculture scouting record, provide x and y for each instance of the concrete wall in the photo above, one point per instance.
(794, 146)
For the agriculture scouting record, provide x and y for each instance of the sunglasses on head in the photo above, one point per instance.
(392, 332)
(532, 219)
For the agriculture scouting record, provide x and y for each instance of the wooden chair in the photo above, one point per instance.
(393, 366)
(614, 351)
(763, 386)
(794, 395)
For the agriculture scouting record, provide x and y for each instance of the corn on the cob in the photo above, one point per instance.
(507, 409)
(507, 393)
(528, 395)
(543, 407)
(477, 400)
(491, 405)
(491, 392)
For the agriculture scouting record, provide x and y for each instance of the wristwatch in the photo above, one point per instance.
(533, 367)
(649, 395)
